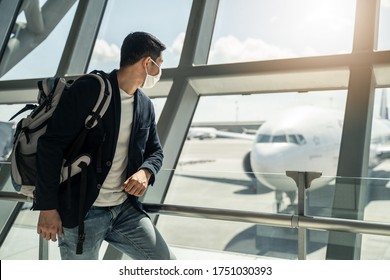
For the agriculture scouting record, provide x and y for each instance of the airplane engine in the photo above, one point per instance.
(246, 164)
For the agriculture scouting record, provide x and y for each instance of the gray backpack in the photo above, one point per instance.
(30, 128)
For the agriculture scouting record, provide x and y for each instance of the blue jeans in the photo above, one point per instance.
(124, 227)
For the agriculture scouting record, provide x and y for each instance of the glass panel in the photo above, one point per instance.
(9, 110)
(380, 133)
(7, 127)
(384, 26)
(262, 30)
(22, 241)
(36, 45)
(246, 172)
(6, 142)
(364, 200)
(378, 185)
(167, 20)
(158, 106)
(226, 240)
(272, 241)
(375, 247)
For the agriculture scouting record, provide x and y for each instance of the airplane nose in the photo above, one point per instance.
(269, 164)
(268, 157)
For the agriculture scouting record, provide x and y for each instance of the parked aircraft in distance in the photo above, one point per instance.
(201, 133)
(303, 139)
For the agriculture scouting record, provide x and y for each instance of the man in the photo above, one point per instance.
(126, 155)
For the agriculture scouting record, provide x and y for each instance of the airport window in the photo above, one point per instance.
(380, 129)
(28, 47)
(264, 30)
(377, 185)
(9, 110)
(7, 131)
(384, 26)
(208, 176)
(158, 106)
(161, 18)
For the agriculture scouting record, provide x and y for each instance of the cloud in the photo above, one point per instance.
(104, 51)
(230, 49)
(225, 50)
(177, 44)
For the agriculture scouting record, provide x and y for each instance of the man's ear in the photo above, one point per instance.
(144, 61)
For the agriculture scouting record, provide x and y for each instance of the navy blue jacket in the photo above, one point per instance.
(68, 120)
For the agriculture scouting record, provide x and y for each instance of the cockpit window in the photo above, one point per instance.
(281, 138)
(293, 139)
(263, 138)
(301, 139)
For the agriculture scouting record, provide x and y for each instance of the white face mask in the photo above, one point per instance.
(150, 80)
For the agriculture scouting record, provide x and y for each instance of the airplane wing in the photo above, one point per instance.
(234, 135)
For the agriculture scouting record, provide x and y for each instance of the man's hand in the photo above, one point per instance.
(49, 225)
(137, 183)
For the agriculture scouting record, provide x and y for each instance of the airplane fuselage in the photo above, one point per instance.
(304, 139)
(301, 139)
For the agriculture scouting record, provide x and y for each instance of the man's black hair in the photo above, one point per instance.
(137, 45)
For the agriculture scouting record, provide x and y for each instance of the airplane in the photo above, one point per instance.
(304, 138)
(201, 133)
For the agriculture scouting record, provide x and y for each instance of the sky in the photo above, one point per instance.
(244, 31)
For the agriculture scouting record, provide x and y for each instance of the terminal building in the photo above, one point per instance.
(273, 117)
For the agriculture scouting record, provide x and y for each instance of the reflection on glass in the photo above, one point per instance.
(36, 44)
(160, 18)
(262, 30)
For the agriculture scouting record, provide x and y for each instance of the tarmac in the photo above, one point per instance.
(210, 174)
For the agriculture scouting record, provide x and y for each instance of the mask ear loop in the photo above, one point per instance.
(159, 68)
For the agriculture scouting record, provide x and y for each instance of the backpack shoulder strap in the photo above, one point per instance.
(103, 100)
(94, 117)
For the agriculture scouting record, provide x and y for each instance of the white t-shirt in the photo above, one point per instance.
(111, 193)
